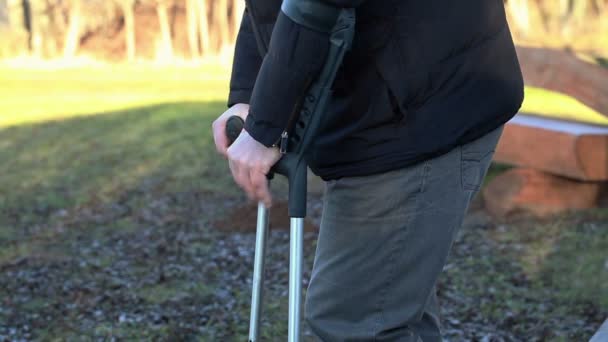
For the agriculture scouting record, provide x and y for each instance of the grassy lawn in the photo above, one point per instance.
(109, 184)
(35, 95)
(91, 158)
(555, 105)
(58, 151)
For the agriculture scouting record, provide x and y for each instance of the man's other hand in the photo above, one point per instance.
(250, 162)
(219, 126)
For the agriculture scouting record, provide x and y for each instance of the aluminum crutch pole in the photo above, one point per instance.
(261, 236)
(296, 241)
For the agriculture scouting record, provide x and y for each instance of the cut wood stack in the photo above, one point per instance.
(560, 165)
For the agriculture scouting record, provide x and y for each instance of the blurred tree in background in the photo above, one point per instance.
(576, 24)
(120, 30)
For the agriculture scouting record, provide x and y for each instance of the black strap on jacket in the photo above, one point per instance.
(261, 42)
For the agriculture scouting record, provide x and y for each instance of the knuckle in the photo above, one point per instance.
(265, 167)
(246, 162)
(258, 182)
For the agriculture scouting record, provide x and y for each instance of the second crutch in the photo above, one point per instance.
(294, 146)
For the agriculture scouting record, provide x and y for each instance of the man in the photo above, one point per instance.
(417, 110)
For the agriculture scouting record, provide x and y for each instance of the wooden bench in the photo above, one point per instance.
(560, 165)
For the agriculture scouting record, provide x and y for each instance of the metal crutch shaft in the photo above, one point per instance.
(261, 237)
(296, 241)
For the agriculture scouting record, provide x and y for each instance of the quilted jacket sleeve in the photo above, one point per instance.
(295, 57)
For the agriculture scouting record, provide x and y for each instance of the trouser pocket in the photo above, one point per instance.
(476, 158)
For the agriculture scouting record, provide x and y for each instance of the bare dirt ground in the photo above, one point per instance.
(177, 267)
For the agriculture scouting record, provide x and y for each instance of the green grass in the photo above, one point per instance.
(55, 165)
(495, 170)
(35, 95)
(161, 293)
(577, 266)
(565, 255)
(551, 104)
(107, 126)
(72, 140)
(57, 151)
(30, 96)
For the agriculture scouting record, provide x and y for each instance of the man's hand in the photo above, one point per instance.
(219, 126)
(250, 162)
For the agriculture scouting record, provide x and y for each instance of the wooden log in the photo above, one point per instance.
(569, 149)
(523, 190)
(563, 72)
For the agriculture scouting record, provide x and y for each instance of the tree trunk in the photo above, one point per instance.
(203, 26)
(72, 38)
(566, 16)
(544, 13)
(3, 14)
(220, 12)
(127, 9)
(238, 7)
(28, 23)
(580, 11)
(521, 15)
(31, 20)
(192, 27)
(165, 29)
(57, 28)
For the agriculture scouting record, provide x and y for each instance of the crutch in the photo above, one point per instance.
(294, 147)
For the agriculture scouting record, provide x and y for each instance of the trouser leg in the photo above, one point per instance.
(383, 242)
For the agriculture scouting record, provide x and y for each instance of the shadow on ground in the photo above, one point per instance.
(126, 225)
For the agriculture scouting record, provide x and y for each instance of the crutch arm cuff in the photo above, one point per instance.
(316, 15)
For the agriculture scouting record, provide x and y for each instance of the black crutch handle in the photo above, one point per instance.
(290, 165)
(234, 126)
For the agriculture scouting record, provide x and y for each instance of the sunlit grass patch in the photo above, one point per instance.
(556, 105)
(41, 95)
(35, 95)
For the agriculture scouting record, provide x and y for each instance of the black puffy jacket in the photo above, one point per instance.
(423, 77)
